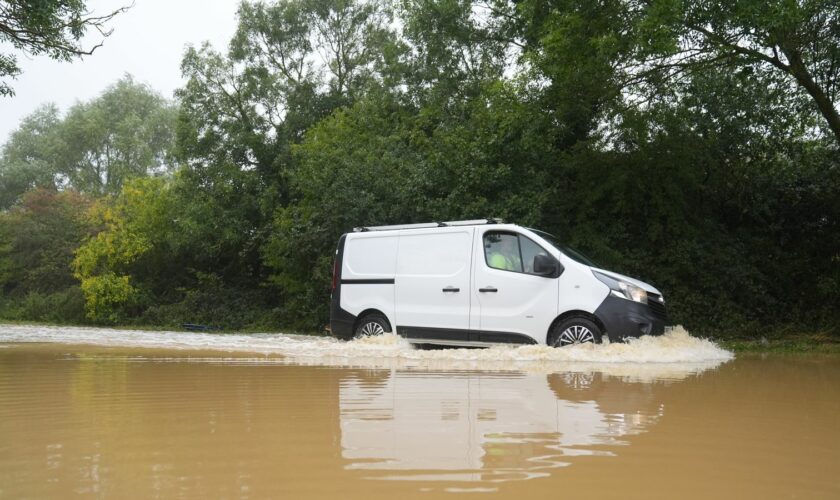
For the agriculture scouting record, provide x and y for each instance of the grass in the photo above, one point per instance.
(167, 328)
(818, 342)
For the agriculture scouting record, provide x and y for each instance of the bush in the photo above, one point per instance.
(212, 303)
(65, 306)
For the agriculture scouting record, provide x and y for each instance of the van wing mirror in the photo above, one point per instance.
(545, 265)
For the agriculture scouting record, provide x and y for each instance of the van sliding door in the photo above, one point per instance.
(433, 283)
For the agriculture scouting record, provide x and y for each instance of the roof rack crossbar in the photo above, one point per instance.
(429, 225)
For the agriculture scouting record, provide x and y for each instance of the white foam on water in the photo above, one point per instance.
(676, 346)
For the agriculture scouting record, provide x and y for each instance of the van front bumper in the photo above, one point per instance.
(624, 318)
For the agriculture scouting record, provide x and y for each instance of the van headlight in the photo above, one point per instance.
(623, 289)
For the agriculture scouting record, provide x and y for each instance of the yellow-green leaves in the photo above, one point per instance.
(105, 295)
(132, 222)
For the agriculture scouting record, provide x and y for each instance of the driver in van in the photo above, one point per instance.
(505, 254)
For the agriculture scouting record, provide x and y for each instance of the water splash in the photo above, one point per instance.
(675, 347)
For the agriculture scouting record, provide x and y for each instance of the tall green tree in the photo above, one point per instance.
(799, 39)
(652, 47)
(126, 132)
(43, 231)
(32, 157)
(456, 46)
(290, 64)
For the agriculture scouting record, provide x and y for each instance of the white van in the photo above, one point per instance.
(479, 283)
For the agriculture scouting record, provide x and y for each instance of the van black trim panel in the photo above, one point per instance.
(341, 321)
(502, 337)
(464, 335)
(385, 281)
(427, 333)
(625, 318)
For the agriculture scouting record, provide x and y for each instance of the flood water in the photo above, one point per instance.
(132, 414)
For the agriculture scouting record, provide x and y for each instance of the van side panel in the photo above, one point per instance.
(373, 256)
(433, 282)
(367, 273)
(580, 290)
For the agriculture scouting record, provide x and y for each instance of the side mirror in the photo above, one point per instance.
(547, 266)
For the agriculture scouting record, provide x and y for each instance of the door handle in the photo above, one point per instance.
(488, 289)
(451, 289)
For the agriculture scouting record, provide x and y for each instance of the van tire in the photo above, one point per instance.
(370, 325)
(574, 330)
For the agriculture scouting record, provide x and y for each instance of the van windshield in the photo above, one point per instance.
(567, 250)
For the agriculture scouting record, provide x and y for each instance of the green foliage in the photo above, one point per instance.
(32, 157)
(37, 240)
(65, 306)
(133, 224)
(106, 295)
(126, 132)
(663, 44)
(211, 301)
(39, 237)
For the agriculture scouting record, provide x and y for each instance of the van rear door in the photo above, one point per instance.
(433, 283)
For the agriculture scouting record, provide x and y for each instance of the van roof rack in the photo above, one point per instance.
(428, 225)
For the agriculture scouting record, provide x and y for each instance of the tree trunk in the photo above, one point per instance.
(824, 104)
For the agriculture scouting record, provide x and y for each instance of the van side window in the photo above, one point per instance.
(511, 252)
(529, 251)
(501, 251)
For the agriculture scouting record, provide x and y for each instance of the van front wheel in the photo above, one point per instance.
(575, 330)
(370, 325)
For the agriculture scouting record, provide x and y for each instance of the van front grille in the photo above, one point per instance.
(656, 305)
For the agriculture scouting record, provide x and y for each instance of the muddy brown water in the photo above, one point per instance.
(151, 415)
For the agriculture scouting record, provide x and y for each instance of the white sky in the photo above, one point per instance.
(148, 41)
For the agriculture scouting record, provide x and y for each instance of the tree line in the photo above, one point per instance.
(692, 144)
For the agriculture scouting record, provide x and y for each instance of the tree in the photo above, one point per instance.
(37, 240)
(670, 41)
(383, 162)
(43, 232)
(134, 223)
(51, 27)
(126, 132)
(32, 156)
(456, 46)
(291, 64)
(337, 44)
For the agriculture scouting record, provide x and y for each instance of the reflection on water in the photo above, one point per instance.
(487, 427)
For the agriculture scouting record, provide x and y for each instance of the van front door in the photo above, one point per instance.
(433, 283)
(514, 304)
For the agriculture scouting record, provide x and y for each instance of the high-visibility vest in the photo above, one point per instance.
(500, 261)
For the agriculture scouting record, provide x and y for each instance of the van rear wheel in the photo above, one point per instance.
(370, 325)
(575, 330)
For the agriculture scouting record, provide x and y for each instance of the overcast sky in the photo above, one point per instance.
(147, 42)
